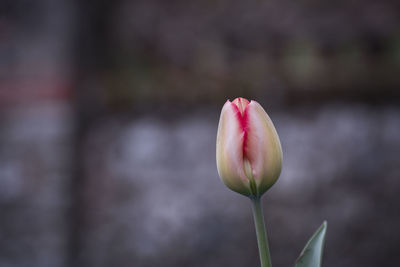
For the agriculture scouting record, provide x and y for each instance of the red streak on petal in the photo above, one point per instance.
(242, 117)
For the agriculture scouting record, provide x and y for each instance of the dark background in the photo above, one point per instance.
(108, 119)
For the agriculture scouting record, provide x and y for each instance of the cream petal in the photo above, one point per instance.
(263, 148)
(241, 103)
(230, 150)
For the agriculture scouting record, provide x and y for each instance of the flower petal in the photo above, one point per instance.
(230, 150)
(262, 148)
(241, 103)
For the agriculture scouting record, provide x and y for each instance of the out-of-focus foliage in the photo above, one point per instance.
(282, 50)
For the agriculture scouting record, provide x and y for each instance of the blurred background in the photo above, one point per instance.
(108, 120)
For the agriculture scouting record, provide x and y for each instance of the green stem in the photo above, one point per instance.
(262, 240)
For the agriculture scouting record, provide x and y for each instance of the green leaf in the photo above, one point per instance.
(311, 256)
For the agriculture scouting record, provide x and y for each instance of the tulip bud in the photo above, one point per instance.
(249, 154)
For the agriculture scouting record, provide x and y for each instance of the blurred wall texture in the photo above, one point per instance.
(108, 118)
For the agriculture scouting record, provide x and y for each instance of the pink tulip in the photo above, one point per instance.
(249, 154)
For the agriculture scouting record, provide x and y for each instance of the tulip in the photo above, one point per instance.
(249, 154)
(249, 161)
